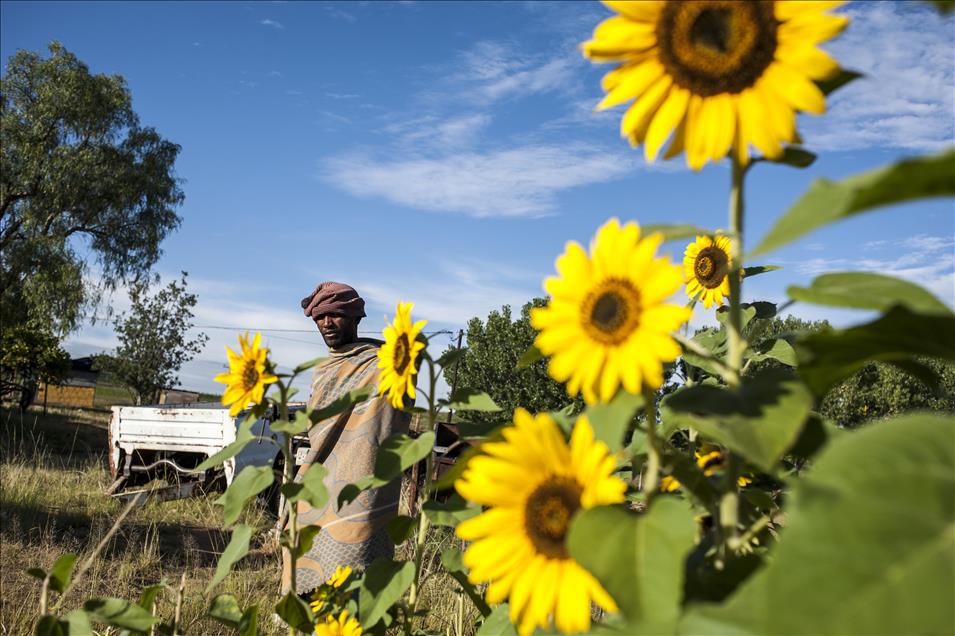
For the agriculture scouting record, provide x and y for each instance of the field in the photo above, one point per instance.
(53, 473)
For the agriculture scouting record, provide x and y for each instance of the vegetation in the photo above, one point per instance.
(78, 174)
(152, 339)
(490, 364)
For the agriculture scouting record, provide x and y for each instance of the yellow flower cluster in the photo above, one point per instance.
(709, 458)
(248, 374)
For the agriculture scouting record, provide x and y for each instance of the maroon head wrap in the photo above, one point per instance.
(334, 298)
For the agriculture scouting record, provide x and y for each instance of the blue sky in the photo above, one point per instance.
(444, 153)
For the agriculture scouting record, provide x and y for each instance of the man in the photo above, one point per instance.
(346, 444)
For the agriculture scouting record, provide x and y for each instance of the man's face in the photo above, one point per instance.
(337, 330)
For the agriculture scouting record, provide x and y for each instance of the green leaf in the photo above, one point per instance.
(296, 613)
(943, 6)
(450, 512)
(61, 572)
(816, 433)
(921, 372)
(674, 231)
(37, 573)
(147, 598)
(828, 201)
(497, 623)
(796, 157)
(610, 421)
(305, 366)
(397, 454)
(774, 349)
(712, 340)
(529, 357)
(685, 470)
(120, 613)
(865, 290)
(50, 625)
(760, 309)
(77, 623)
(471, 400)
(242, 437)
(638, 559)
(299, 424)
(306, 537)
(250, 481)
(868, 545)
(760, 421)
(340, 404)
(311, 488)
(453, 562)
(837, 81)
(248, 624)
(749, 272)
(225, 609)
(451, 356)
(238, 547)
(401, 528)
(385, 582)
(828, 357)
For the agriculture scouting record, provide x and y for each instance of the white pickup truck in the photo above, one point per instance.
(168, 442)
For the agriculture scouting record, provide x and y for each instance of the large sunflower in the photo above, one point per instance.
(248, 374)
(532, 483)
(342, 626)
(706, 266)
(397, 358)
(606, 323)
(723, 73)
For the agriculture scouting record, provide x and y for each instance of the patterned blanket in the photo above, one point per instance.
(347, 444)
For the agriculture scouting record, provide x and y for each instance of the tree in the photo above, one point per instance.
(30, 355)
(153, 344)
(490, 365)
(77, 174)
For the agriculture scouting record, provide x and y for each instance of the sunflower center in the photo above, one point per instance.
(402, 354)
(548, 514)
(711, 266)
(611, 311)
(250, 377)
(716, 46)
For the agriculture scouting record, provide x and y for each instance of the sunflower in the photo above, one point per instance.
(342, 626)
(706, 266)
(606, 323)
(722, 73)
(709, 458)
(398, 356)
(248, 374)
(532, 483)
(324, 593)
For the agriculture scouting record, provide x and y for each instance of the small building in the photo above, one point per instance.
(78, 389)
(178, 396)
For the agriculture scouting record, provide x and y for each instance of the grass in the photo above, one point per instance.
(53, 474)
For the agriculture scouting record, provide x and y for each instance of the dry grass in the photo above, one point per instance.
(53, 474)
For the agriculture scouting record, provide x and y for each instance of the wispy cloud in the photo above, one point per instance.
(906, 98)
(928, 261)
(520, 181)
(271, 23)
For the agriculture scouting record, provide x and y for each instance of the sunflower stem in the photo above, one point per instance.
(653, 450)
(423, 521)
(729, 502)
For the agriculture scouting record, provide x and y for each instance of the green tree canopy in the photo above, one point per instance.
(78, 174)
(494, 347)
(153, 343)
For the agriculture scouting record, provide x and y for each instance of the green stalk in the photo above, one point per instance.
(653, 444)
(288, 476)
(729, 502)
(423, 523)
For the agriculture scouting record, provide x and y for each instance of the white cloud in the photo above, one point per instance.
(521, 181)
(906, 98)
(433, 132)
(342, 95)
(271, 23)
(928, 261)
